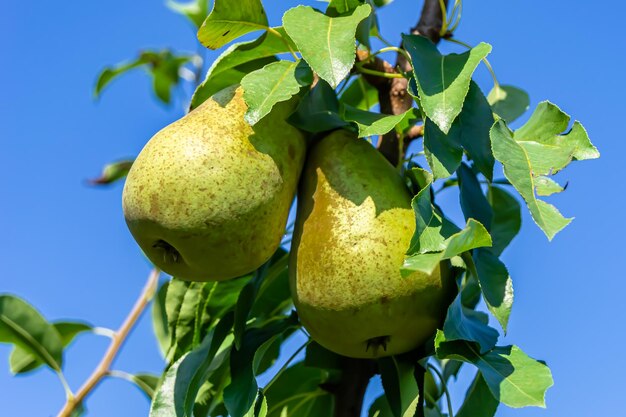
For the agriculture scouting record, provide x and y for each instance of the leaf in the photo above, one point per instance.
(327, 44)
(297, 393)
(113, 172)
(193, 307)
(318, 110)
(474, 235)
(512, 377)
(231, 19)
(182, 381)
(479, 401)
(496, 285)
(546, 186)
(273, 83)
(473, 201)
(23, 326)
(22, 361)
(443, 81)
(397, 374)
(274, 297)
(318, 356)
(443, 151)
(163, 66)
(508, 102)
(147, 383)
(373, 124)
(360, 94)
(240, 394)
(159, 319)
(463, 323)
(195, 10)
(240, 59)
(518, 170)
(338, 7)
(506, 220)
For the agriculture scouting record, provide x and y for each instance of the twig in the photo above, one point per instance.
(117, 341)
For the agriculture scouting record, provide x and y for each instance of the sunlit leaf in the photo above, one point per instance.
(508, 102)
(113, 172)
(229, 20)
(373, 124)
(195, 10)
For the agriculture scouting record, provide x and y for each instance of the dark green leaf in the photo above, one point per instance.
(159, 319)
(23, 326)
(512, 377)
(496, 285)
(508, 102)
(463, 323)
(177, 393)
(473, 201)
(444, 152)
(507, 218)
(274, 297)
(319, 110)
(231, 19)
(298, 393)
(275, 82)
(113, 172)
(195, 10)
(320, 357)
(240, 59)
(22, 360)
(360, 94)
(479, 401)
(397, 374)
(240, 394)
(327, 44)
(443, 81)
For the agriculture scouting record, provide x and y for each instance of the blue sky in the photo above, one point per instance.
(66, 248)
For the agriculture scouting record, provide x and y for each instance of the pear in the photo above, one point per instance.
(208, 197)
(354, 225)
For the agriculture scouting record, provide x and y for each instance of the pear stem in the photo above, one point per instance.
(117, 340)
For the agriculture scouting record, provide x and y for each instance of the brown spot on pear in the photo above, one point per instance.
(354, 225)
(209, 195)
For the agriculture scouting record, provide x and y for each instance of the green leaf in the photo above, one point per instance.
(240, 394)
(194, 307)
(147, 383)
(339, 7)
(195, 10)
(113, 172)
(318, 110)
(274, 297)
(182, 381)
(327, 44)
(546, 186)
(496, 285)
(163, 66)
(231, 19)
(22, 360)
(443, 81)
(159, 319)
(513, 378)
(473, 201)
(273, 83)
(470, 130)
(506, 220)
(474, 235)
(240, 59)
(479, 401)
(508, 102)
(431, 227)
(397, 374)
(463, 323)
(23, 326)
(360, 94)
(318, 356)
(372, 124)
(298, 393)
(518, 170)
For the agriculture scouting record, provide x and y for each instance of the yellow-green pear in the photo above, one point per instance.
(209, 195)
(354, 225)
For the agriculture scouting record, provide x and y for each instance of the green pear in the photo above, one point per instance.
(208, 197)
(354, 225)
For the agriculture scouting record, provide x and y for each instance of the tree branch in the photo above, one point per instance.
(117, 341)
(350, 390)
(393, 96)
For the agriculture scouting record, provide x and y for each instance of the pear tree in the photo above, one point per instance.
(293, 218)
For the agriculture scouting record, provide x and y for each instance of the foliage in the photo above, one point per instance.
(218, 337)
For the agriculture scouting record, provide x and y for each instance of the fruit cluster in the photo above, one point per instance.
(209, 196)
